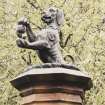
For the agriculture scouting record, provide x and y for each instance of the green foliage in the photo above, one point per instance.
(83, 38)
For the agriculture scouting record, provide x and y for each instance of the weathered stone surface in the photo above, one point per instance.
(52, 89)
(52, 76)
(52, 97)
(52, 85)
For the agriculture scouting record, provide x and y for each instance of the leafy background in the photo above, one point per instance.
(82, 39)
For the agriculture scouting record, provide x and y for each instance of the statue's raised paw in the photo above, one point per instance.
(20, 29)
(23, 21)
(21, 43)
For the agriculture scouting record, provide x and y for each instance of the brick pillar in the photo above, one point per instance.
(52, 86)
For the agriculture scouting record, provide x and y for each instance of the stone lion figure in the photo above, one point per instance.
(45, 41)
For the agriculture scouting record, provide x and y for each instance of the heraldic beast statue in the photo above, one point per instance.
(46, 41)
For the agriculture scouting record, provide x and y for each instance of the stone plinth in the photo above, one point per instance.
(52, 86)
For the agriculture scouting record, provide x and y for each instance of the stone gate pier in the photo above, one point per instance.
(52, 86)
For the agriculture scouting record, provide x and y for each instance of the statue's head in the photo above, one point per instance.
(53, 14)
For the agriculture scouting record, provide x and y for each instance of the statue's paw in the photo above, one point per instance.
(20, 29)
(21, 43)
(23, 21)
